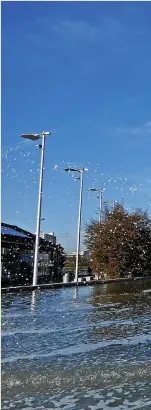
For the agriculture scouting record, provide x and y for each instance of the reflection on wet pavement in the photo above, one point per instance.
(85, 349)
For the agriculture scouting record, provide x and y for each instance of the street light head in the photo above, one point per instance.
(92, 189)
(70, 169)
(97, 189)
(76, 178)
(81, 170)
(32, 137)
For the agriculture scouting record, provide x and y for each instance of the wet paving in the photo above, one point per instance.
(86, 348)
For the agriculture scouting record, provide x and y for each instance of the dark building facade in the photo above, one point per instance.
(17, 257)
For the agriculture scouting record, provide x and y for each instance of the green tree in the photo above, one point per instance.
(121, 245)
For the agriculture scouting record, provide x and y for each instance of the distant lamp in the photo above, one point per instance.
(81, 171)
(100, 196)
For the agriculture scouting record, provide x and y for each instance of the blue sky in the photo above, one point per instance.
(82, 71)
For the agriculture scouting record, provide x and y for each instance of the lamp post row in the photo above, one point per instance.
(35, 137)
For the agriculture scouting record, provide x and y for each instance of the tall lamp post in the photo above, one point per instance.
(34, 137)
(100, 196)
(81, 172)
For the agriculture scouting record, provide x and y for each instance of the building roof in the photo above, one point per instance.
(12, 234)
(13, 230)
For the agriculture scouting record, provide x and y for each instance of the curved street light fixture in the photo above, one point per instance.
(100, 196)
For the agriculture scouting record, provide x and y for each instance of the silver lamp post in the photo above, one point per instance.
(100, 196)
(81, 172)
(34, 137)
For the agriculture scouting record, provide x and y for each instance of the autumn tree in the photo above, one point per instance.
(121, 244)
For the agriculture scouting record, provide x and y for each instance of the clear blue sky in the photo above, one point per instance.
(83, 71)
